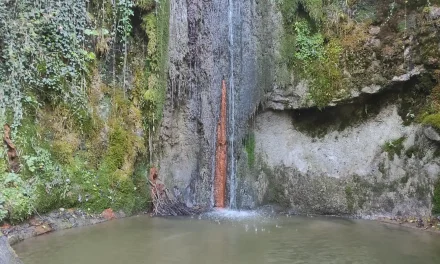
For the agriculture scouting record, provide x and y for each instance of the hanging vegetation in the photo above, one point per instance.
(79, 113)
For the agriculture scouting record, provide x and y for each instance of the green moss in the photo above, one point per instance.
(63, 151)
(394, 147)
(436, 198)
(146, 5)
(118, 142)
(154, 80)
(350, 198)
(433, 120)
(47, 198)
(125, 194)
(290, 9)
(325, 75)
(312, 58)
(142, 191)
(250, 148)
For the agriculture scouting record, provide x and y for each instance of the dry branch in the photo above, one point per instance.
(164, 203)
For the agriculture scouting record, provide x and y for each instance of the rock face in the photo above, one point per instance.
(431, 134)
(321, 162)
(7, 254)
(378, 167)
(210, 41)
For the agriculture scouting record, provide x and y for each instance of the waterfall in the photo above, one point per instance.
(231, 106)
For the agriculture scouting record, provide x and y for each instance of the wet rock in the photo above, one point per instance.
(56, 221)
(420, 223)
(108, 214)
(42, 229)
(35, 222)
(13, 239)
(315, 174)
(7, 254)
(431, 133)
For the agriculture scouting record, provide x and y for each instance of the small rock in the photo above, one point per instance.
(62, 209)
(431, 133)
(108, 214)
(420, 223)
(35, 222)
(42, 229)
(406, 53)
(434, 12)
(374, 31)
(372, 89)
(375, 43)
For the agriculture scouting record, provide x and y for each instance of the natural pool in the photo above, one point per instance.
(233, 237)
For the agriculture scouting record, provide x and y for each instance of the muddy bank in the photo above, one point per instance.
(422, 224)
(56, 220)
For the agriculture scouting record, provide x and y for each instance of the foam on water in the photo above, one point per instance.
(228, 214)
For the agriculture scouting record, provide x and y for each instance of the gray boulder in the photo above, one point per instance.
(431, 133)
(7, 254)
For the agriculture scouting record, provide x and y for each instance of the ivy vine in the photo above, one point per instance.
(42, 53)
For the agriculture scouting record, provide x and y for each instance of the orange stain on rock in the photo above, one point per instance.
(221, 155)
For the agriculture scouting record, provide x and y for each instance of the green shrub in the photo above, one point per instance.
(308, 46)
(15, 198)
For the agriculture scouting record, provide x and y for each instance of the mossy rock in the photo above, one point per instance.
(433, 120)
(63, 151)
(436, 198)
(394, 147)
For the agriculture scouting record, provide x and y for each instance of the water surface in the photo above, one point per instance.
(233, 238)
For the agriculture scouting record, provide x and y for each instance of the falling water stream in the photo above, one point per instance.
(232, 185)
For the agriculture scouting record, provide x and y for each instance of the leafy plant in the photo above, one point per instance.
(125, 13)
(308, 46)
(42, 51)
(15, 199)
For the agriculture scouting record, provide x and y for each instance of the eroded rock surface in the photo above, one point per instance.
(381, 165)
(354, 171)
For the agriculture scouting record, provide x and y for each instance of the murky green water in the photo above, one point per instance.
(243, 240)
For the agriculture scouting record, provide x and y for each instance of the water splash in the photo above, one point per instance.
(232, 215)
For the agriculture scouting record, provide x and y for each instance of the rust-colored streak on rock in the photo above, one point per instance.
(221, 155)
